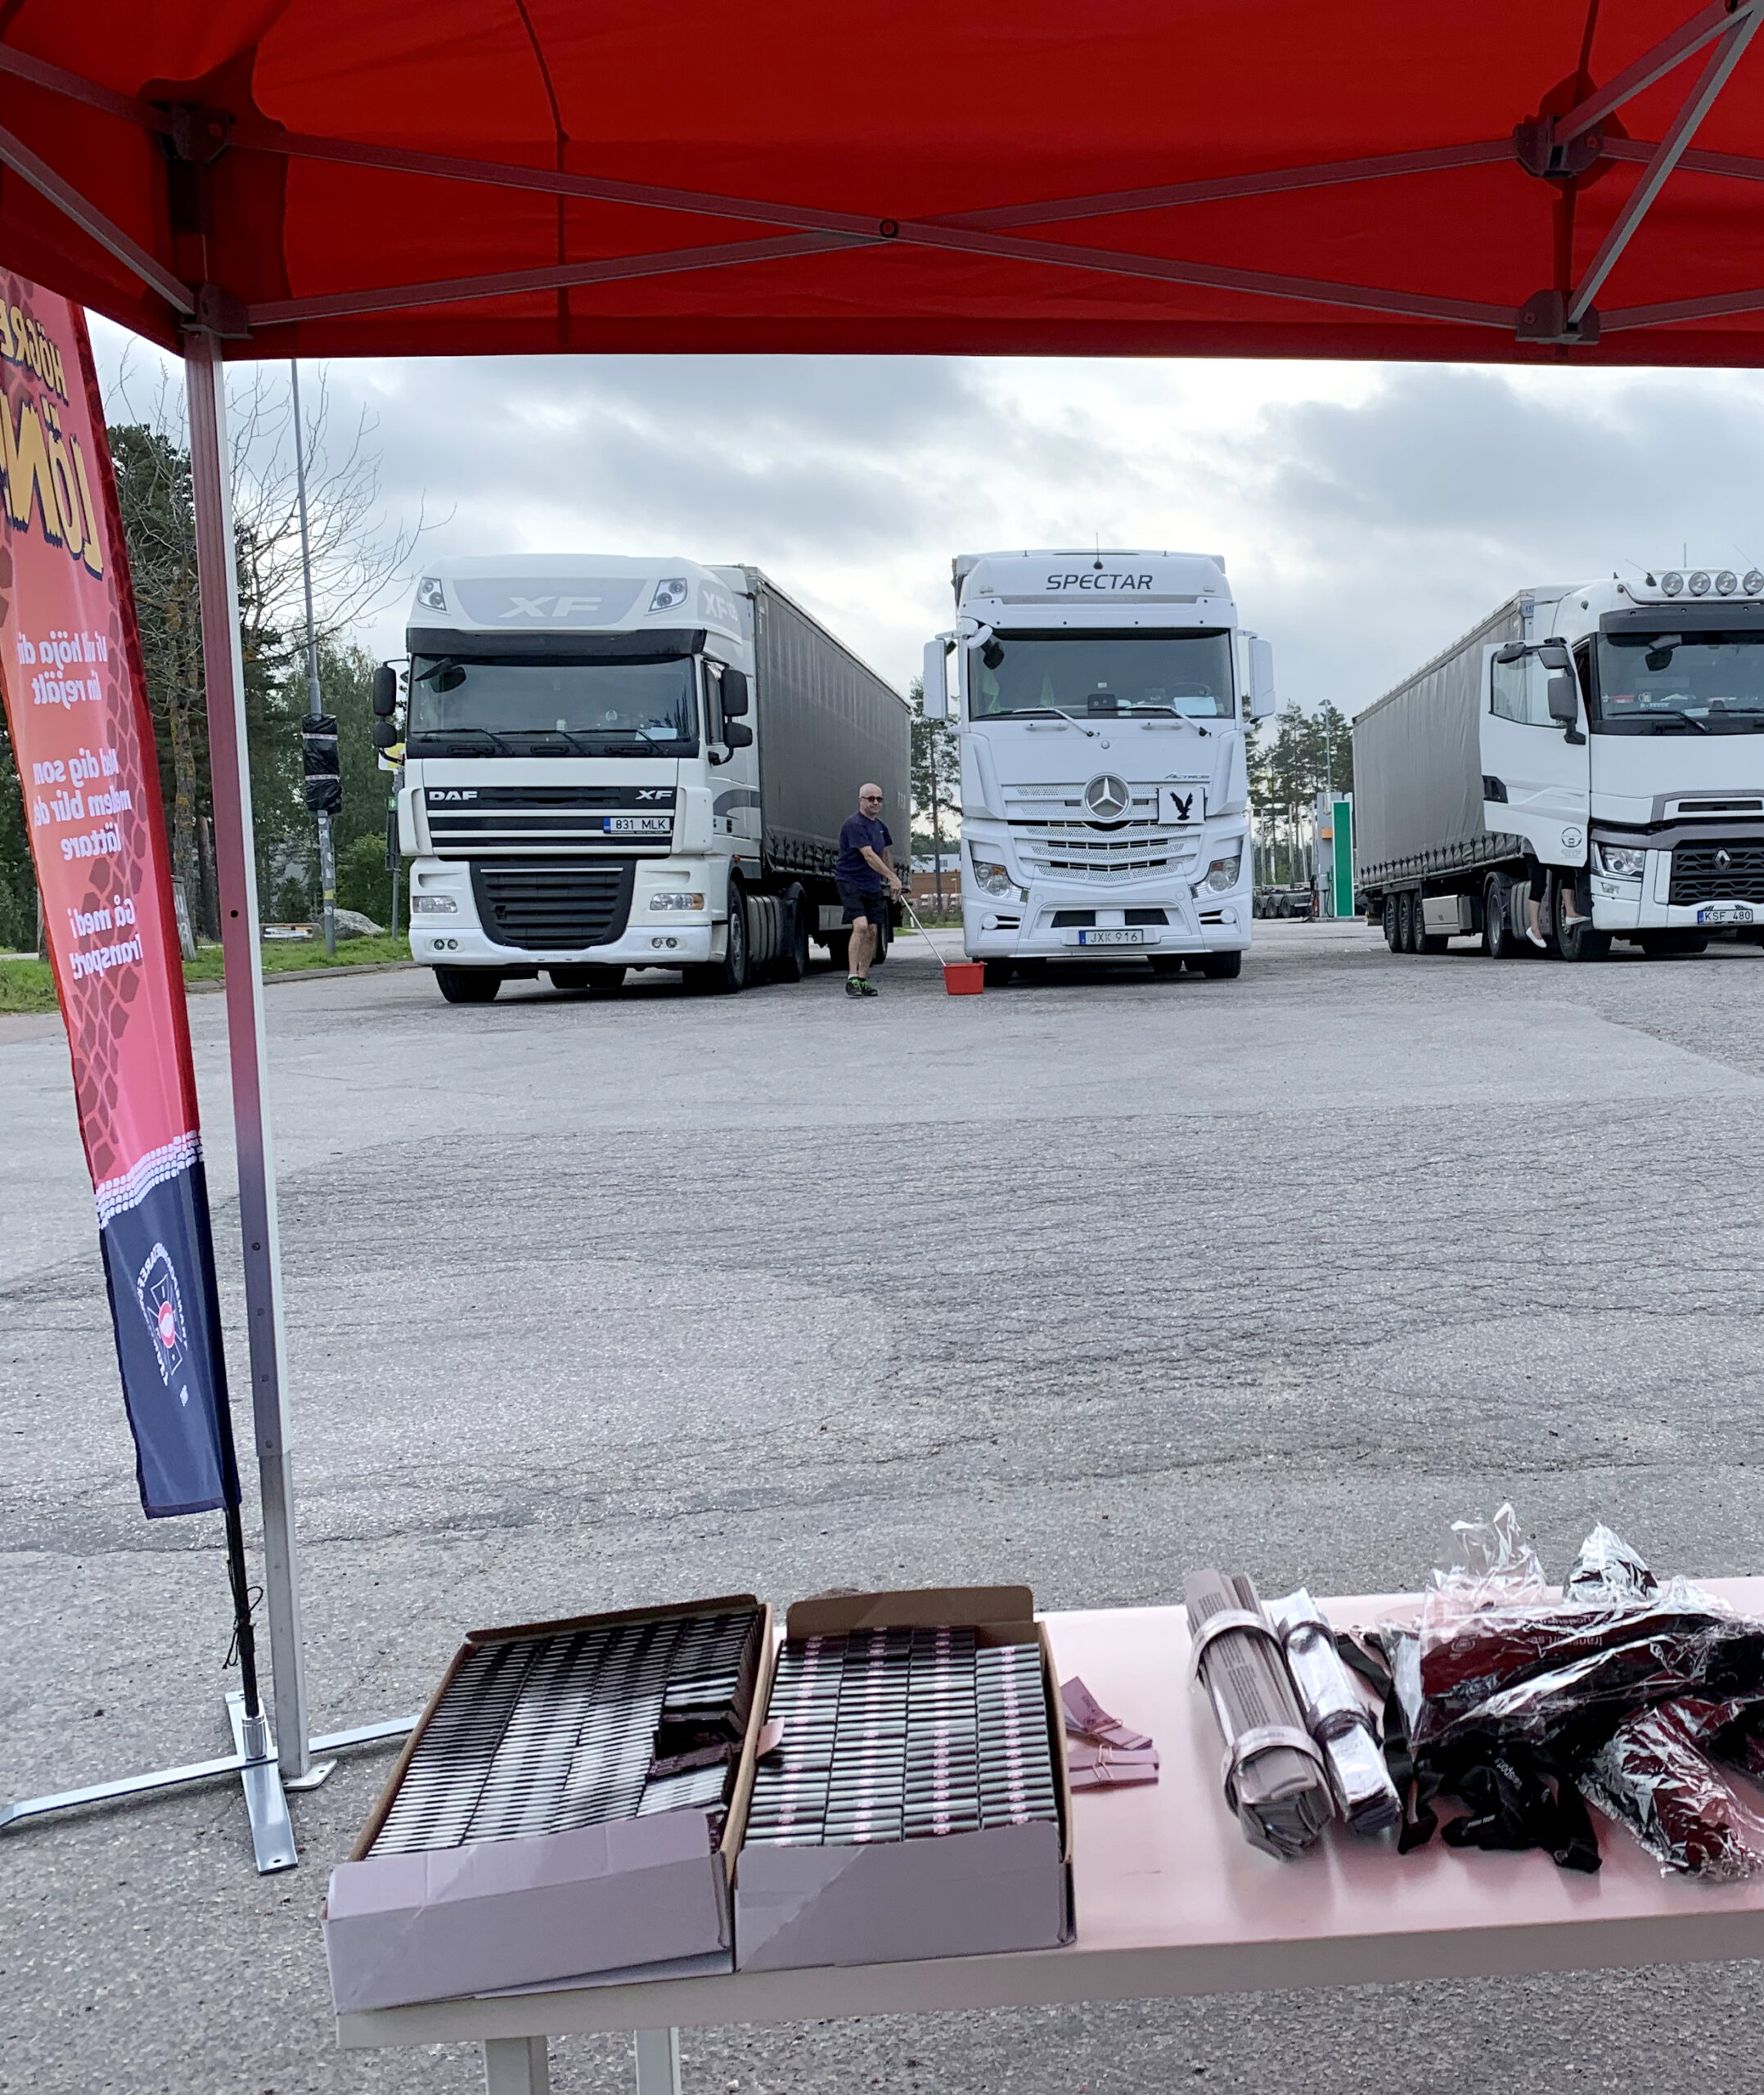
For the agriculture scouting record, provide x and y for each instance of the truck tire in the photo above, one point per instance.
(1426, 941)
(1498, 940)
(727, 977)
(1222, 967)
(603, 981)
(468, 985)
(1393, 924)
(1405, 907)
(572, 981)
(1656, 945)
(792, 965)
(1164, 963)
(998, 974)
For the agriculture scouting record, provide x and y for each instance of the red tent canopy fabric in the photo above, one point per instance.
(1561, 181)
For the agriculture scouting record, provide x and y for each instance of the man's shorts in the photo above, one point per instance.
(865, 902)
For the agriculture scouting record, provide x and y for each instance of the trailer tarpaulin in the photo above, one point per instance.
(76, 709)
(1542, 181)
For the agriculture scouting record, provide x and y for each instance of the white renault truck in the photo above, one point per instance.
(612, 762)
(1101, 699)
(1597, 746)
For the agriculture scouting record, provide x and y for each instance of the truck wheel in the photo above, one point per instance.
(1656, 945)
(998, 974)
(792, 965)
(1393, 924)
(603, 981)
(1164, 963)
(468, 985)
(727, 976)
(571, 980)
(1498, 941)
(1222, 967)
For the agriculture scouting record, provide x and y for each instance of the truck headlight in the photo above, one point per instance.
(1623, 864)
(1222, 874)
(993, 877)
(433, 905)
(676, 898)
(431, 593)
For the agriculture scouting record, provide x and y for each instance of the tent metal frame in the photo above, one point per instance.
(1569, 144)
(1552, 148)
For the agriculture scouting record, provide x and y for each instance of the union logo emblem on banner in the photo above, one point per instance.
(83, 739)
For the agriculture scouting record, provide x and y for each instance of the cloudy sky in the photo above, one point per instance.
(1368, 515)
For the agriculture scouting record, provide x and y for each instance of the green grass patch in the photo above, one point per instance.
(27, 985)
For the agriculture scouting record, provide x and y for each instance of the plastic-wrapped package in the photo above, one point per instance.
(1653, 1775)
(1500, 1655)
(1336, 1716)
(1607, 1569)
(1275, 1777)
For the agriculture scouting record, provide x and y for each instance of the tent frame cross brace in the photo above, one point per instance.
(1554, 149)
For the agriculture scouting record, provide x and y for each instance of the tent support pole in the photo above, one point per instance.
(223, 680)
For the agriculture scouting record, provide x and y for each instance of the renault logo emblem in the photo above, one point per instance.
(1724, 859)
(1107, 797)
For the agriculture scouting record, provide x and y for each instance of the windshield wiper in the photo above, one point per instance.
(1093, 732)
(1674, 713)
(452, 734)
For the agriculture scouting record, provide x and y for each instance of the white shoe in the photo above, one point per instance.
(1537, 938)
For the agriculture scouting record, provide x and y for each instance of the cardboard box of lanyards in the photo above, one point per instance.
(638, 1897)
(956, 1895)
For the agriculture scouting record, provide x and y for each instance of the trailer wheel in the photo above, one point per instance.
(468, 985)
(1427, 941)
(1392, 923)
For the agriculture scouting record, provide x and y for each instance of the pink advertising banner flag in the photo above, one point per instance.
(77, 712)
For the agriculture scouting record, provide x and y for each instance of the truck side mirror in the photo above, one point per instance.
(385, 734)
(735, 698)
(737, 735)
(936, 681)
(1261, 698)
(1554, 655)
(385, 692)
(1562, 698)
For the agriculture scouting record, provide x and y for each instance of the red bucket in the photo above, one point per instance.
(964, 978)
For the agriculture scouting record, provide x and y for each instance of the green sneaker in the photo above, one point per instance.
(855, 985)
(865, 987)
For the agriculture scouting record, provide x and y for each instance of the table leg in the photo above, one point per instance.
(658, 2061)
(516, 2065)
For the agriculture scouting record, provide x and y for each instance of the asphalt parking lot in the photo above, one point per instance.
(1083, 1283)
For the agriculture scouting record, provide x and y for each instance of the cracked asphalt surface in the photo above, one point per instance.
(1084, 1283)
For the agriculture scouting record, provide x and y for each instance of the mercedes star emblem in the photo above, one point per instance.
(1107, 797)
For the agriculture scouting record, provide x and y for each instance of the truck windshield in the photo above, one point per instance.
(1102, 675)
(1674, 683)
(535, 707)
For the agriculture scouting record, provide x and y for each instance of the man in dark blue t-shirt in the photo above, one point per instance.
(862, 869)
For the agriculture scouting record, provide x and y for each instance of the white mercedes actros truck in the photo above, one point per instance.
(1102, 699)
(612, 762)
(1598, 748)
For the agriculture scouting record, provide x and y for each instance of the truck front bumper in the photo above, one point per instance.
(1001, 928)
(456, 937)
(1623, 908)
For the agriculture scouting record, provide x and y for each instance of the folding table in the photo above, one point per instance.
(1171, 1902)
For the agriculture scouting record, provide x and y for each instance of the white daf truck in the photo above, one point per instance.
(1598, 747)
(1101, 700)
(612, 762)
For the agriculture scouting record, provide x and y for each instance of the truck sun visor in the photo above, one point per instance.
(664, 644)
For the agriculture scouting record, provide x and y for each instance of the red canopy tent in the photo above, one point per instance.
(1521, 181)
